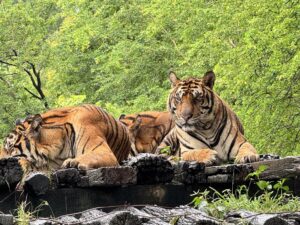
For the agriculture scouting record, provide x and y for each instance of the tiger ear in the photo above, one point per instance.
(173, 78)
(19, 122)
(136, 123)
(209, 79)
(36, 123)
(122, 116)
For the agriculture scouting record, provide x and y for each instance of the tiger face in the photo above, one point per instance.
(191, 101)
(19, 139)
(147, 129)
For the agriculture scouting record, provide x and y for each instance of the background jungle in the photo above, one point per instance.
(116, 54)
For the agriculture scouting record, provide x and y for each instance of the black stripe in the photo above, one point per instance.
(242, 144)
(129, 118)
(212, 96)
(199, 139)
(147, 116)
(53, 127)
(220, 127)
(54, 116)
(185, 145)
(19, 146)
(231, 145)
(116, 133)
(27, 144)
(97, 146)
(228, 132)
(85, 145)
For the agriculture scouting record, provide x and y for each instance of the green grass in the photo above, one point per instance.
(218, 204)
(273, 197)
(23, 215)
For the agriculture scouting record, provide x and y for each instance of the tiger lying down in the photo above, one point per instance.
(147, 129)
(83, 137)
(206, 129)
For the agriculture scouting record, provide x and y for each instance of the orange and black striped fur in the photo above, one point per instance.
(83, 137)
(206, 129)
(147, 129)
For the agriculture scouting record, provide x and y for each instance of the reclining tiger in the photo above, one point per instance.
(146, 130)
(206, 129)
(84, 137)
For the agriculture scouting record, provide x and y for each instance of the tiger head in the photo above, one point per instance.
(191, 101)
(18, 141)
(147, 129)
(135, 131)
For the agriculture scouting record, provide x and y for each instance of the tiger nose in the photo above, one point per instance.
(186, 117)
(187, 114)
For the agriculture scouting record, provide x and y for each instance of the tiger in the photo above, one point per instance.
(206, 129)
(147, 129)
(83, 137)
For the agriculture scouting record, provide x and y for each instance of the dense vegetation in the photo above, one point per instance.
(116, 54)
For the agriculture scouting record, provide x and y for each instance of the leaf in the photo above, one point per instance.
(262, 184)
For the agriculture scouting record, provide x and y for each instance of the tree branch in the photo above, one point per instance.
(7, 63)
(33, 95)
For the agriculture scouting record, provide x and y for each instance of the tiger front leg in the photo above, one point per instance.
(101, 156)
(206, 156)
(246, 154)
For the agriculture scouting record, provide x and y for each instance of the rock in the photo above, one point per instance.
(268, 219)
(219, 178)
(238, 216)
(187, 215)
(189, 172)
(11, 172)
(183, 215)
(83, 182)
(251, 218)
(151, 168)
(66, 177)
(92, 217)
(265, 157)
(40, 222)
(111, 176)
(120, 218)
(292, 218)
(68, 220)
(37, 183)
(145, 218)
(6, 219)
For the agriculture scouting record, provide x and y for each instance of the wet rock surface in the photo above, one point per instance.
(151, 169)
(111, 176)
(6, 219)
(37, 183)
(10, 172)
(154, 215)
(246, 217)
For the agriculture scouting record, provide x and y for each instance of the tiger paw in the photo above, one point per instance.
(25, 165)
(246, 157)
(206, 156)
(74, 163)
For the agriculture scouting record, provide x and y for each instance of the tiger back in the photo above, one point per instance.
(206, 129)
(83, 137)
(147, 129)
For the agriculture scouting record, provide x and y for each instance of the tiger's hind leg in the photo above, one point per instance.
(95, 157)
(246, 154)
(207, 156)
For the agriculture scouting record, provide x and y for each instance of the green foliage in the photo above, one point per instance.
(117, 54)
(166, 150)
(218, 204)
(25, 214)
(255, 174)
(274, 197)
